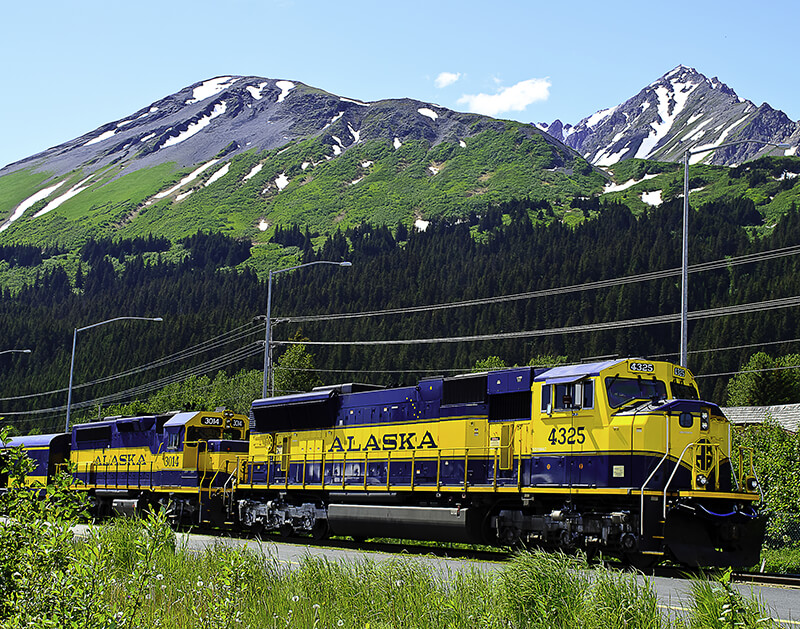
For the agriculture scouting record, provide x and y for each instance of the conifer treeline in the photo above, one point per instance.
(506, 250)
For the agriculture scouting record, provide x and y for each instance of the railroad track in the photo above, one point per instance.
(500, 555)
(763, 578)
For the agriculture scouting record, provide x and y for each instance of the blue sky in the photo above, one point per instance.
(69, 67)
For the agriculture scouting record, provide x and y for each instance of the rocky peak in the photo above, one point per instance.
(682, 109)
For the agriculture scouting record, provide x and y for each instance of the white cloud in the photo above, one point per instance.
(447, 78)
(514, 98)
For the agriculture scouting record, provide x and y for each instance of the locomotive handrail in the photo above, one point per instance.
(649, 478)
(492, 453)
(752, 469)
(717, 456)
(671, 476)
(231, 479)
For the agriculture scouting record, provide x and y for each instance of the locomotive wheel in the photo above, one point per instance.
(640, 562)
(320, 530)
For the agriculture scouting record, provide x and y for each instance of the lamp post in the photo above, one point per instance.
(16, 351)
(267, 386)
(72, 362)
(685, 248)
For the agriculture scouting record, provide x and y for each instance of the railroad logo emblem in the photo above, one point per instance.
(704, 455)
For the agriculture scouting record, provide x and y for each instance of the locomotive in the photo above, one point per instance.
(620, 457)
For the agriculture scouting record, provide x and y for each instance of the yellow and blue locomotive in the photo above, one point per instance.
(183, 461)
(620, 456)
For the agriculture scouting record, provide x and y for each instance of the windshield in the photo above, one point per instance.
(623, 390)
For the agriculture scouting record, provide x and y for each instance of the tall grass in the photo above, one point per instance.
(130, 574)
(716, 604)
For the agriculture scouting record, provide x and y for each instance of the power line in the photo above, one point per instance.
(212, 365)
(762, 306)
(213, 343)
(729, 348)
(736, 373)
(563, 290)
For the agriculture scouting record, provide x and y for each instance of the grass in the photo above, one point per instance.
(781, 560)
(133, 574)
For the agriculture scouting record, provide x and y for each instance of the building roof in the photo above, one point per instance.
(787, 416)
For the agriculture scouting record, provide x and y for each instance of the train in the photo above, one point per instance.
(620, 457)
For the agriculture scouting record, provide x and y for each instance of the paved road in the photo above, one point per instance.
(673, 594)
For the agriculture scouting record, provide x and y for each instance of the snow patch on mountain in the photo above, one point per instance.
(614, 187)
(253, 172)
(210, 88)
(219, 174)
(281, 181)
(596, 118)
(187, 179)
(425, 111)
(197, 127)
(350, 100)
(101, 137)
(30, 201)
(670, 103)
(285, 87)
(255, 92)
(706, 148)
(73, 191)
(652, 198)
(606, 158)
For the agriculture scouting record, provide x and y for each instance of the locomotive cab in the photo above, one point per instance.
(185, 460)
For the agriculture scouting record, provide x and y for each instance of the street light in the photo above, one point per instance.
(685, 256)
(17, 351)
(74, 341)
(267, 386)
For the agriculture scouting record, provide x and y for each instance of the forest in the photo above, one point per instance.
(511, 249)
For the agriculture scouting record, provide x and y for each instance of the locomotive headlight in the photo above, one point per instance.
(751, 483)
(704, 422)
(702, 480)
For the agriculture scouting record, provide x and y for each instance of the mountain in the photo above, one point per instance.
(243, 154)
(683, 109)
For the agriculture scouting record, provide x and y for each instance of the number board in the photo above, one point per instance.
(211, 421)
(642, 367)
(236, 423)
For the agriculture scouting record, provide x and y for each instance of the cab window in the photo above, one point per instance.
(565, 396)
(623, 390)
(683, 391)
(588, 393)
(569, 396)
(202, 433)
(173, 440)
